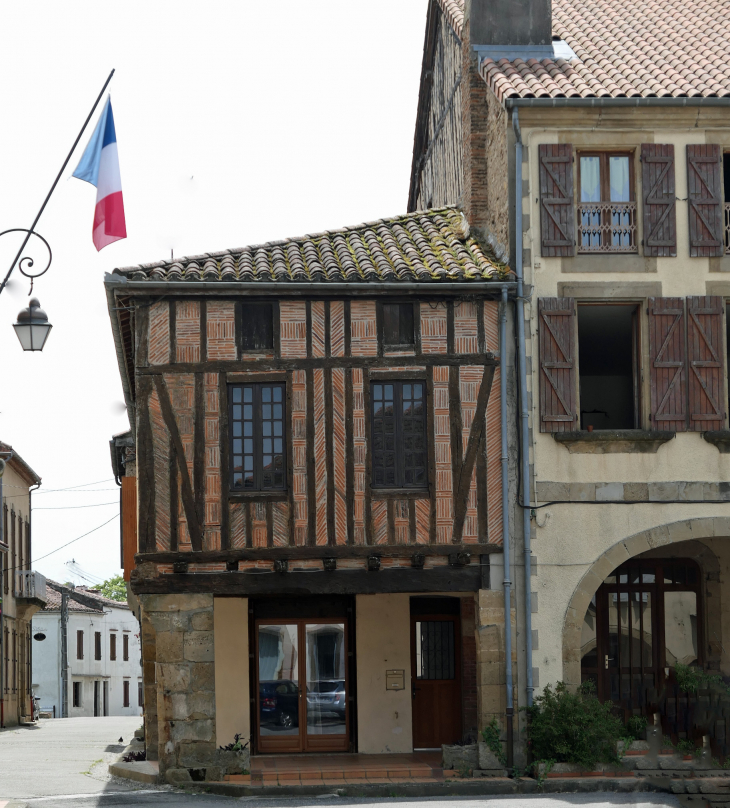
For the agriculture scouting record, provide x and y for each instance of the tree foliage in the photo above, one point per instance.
(114, 588)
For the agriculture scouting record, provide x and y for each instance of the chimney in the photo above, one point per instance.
(511, 26)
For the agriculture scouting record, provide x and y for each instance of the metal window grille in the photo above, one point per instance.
(435, 650)
(257, 448)
(399, 434)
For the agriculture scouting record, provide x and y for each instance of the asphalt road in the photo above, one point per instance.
(62, 763)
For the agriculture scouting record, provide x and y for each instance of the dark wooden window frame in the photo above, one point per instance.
(275, 323)
(112, 646)
(79, 644)
(399, 452)
(125, 692)
(605, 184)
(125, 647)
(257, 436)
(97, 646)
(387, 346)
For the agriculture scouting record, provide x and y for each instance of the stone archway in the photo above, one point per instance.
(655, 538)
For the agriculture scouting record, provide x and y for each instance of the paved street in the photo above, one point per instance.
(63, 762)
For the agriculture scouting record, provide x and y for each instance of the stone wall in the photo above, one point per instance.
(182, 629)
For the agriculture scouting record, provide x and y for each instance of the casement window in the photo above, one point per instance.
(112, 646)
(398, 413)
(256, 326)
(140, 695)
(606, 202)
(602, 389)
(257, 442)
(125, 691)
(125, 647)
(76, 694)
(398, 330)
(79, 645)
(97, 645)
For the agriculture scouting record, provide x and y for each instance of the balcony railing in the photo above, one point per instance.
(727, 228)
(30, 585)
(607, 227)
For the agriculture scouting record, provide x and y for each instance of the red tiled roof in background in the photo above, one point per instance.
(624, 48)
(53, 601)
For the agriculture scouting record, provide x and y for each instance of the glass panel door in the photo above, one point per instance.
(326, 685)
(279, 706)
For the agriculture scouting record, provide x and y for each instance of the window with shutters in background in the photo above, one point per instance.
(556, 199)
(140, 695)
(125, 689)
(125, 647)
(609, 366)
(112, 646)
(79, 645)
(76, 694)
(97, 645)
(398, 412)
(5, 560)
(606, 203)
(660, 200)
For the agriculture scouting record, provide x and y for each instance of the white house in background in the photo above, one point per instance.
(105, 674)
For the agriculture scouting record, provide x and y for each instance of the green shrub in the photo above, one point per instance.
(573, 727)
(691, 679)
(635, 727)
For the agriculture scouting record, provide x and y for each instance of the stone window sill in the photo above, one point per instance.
(720, 438)
(613, 441)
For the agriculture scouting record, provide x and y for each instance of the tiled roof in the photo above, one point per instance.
(53, 601)
(624, 48)
(427, 246)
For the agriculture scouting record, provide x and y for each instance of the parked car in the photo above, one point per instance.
(327, 697)
(279, 703)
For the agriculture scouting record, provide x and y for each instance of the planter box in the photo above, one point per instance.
(489, 764)
(460, 757)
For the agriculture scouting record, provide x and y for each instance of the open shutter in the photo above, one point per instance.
(557, 364)
(556, 199)
(705, 359)
(660, 215)
(705, 200)
(667, 365)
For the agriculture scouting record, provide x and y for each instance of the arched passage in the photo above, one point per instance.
(657, 539)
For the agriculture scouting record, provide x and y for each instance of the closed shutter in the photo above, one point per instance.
(660, 214)
(667, 364)
(556, 199)
(705, 358)
(705, 200)
(556, 331)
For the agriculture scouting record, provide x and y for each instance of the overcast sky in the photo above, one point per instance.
(237, 123)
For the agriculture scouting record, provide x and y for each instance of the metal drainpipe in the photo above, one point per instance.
(524, 425)
(505, 531)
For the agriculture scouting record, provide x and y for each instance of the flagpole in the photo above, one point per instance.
(30, 232)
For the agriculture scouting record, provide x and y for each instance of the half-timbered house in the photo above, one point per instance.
(316, 491)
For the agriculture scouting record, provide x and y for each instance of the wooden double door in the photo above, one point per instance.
(644, 618)
(302, 685)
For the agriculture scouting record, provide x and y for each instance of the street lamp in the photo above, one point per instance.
(32, 327)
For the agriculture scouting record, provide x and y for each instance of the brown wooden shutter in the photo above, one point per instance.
(556, 330)
(660, 214)
(705, 200)
(79, 645)
(705, 359)
(667, 366)
(556, 199)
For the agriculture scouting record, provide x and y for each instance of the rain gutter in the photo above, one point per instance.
(651, 101)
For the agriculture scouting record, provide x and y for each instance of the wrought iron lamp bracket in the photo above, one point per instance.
(26, 262)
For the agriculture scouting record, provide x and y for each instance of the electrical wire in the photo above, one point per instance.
(74, 507)
(93, 530)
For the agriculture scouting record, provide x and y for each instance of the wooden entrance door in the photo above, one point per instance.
(436, 680)
(301, 686)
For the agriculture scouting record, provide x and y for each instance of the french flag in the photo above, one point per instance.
(99, 165)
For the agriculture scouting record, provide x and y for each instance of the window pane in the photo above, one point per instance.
(278, 665)
(257, 326)
(590, 179)
(326, 696)
(398, 435)
(619, 178)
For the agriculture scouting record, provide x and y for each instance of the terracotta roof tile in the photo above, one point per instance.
(624, 48)
(53, 601)
(427, 246)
